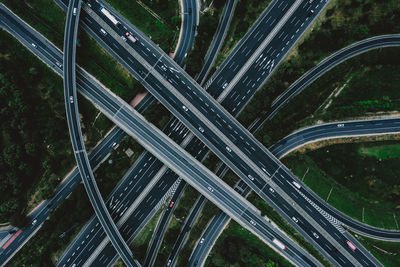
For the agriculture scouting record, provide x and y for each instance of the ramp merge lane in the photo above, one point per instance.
(70, 94)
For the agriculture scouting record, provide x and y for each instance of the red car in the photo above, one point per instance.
(171, 204)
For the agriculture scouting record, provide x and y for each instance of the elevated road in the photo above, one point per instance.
(102, 101)
(329, 63)
(153, 79)
(96, 157)
(85, 170)
(182, 78)
(190, 19)
(216, 43)
(292, 142)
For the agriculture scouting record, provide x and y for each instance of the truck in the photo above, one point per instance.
(296, 185)
(109, 16)
(351, 245)
(279, 244)
(11, 239)
(130, 37)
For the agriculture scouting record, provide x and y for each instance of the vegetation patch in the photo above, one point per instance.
(239, 247)
(162, 34)
(360, 185)
(387, 253)
(382, 152)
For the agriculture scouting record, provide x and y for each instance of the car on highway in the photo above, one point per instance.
(171, 204)
(71, 99)
(59, 64)
(315, 235)
(169, 262)
(210, 189)
(252, 222)
(34, 222)
(224, 85)
(103, 31)
(340, 125)
(123, 38)
(295, 219)
(185, 108)
(202, 241)
(250, 177)
(74, 11)
(34, 45)
(228, 149)
(271, 190)
(114, 144)
(163, 67)
(201, 129)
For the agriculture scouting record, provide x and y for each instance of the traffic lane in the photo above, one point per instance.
(302, 224)
(195, 121)
(178, 126)
(270, 18)
(216, 43)
(131, 227)
(256, 75)
(185, 229)
(119, 199)
(286, 180)
(161, 227)
(334, 130)
(329, 63)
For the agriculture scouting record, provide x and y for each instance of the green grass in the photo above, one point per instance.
(238, 247)
(388, 253)
(162, 34)
(141, 242)
(360, 183)
(382, 152)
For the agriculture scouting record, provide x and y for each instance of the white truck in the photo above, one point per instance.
(109, 16)
(279, 244)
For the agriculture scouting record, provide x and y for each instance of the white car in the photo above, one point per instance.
(103, 31)
(202, 241)
(250, 177)
(201, 129)
(340, 125)
(163, 68)
(71, 99)
(228, 149)
(123, 38)
(210, 189)
(34, 221)
(315, 235)
(34, 45)
(59, 64)
(185, 108)
(252, 222)
(295, 219)
(225, 85)
(271, 190)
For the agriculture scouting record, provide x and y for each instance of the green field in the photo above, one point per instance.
(382, 152)
(388, 253)
(358, 184)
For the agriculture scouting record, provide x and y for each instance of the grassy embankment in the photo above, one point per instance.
(358, 179)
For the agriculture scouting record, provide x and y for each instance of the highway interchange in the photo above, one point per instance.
(218, 141)
(188, 105)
